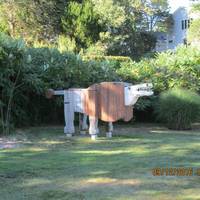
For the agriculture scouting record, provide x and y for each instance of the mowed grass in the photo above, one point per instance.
(48, 166)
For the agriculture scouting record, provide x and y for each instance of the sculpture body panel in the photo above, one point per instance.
(105, 101)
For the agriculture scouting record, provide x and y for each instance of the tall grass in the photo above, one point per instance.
(178, 108)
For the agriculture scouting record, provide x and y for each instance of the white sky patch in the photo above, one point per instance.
(174, 4)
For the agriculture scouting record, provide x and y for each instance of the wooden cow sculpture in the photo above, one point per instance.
(108, 101)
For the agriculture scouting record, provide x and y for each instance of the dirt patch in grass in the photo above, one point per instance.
(104, 181)
(9, 144)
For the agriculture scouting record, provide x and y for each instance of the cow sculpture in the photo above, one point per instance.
(108, 101)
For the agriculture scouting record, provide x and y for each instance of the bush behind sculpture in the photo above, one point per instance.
(25, 74)
(166, 70)
(178, 108)
(42, 68)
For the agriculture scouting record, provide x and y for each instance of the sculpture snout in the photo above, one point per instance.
(144, 89)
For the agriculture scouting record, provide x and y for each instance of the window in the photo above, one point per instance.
(188, 23)
(182, 24)
(185, 24)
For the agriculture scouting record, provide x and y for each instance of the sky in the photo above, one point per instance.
(174, 4)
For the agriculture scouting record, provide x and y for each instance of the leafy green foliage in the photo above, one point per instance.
(17, 81)
(62, 71)
(166, 70)
(196, 7)
(193, 32)
(178, 108)
(81, 23)
(110, 27)
(108, 58)
(131, 43)
(69, 70)
(33, 20)
(129, 25)
(27, 72)
(66, 44)
(142, 14)
(156, 15)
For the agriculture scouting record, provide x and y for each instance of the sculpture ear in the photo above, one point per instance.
(49, 93)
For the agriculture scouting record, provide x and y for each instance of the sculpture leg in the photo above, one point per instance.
(69, 114)
(93, 130)
(110, 130)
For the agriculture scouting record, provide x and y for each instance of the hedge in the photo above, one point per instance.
(27, 72)
(107, 58)
(178, 108)
(167, 70)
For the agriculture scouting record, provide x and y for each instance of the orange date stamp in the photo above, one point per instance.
(175, 171)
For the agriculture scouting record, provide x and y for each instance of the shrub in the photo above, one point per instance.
(25, 74)
(17, 82)
(107, 58)
(66, 44)
(178, 108)
(167, 70)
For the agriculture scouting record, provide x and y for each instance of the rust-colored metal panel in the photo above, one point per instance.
(111, 101)
(106, 102)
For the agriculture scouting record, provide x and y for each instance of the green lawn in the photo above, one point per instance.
(48, 166)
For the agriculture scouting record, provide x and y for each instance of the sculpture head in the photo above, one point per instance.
(133, 92)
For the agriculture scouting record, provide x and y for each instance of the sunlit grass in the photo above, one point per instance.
(48, 166)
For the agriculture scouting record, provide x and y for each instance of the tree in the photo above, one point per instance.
(130, 24)
(110, 13)
(17, 81)
(17, 16)
(33, 20)
(194, 30)
(155, 15)
(122, 27)
(80, 22)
